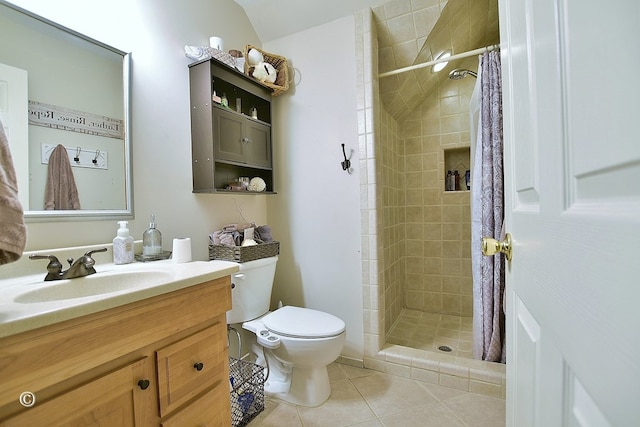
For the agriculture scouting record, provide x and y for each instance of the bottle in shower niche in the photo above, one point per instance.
(456, 181)
(152, 239)
(447, 181)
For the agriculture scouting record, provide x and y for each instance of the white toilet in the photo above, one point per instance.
(295, 344)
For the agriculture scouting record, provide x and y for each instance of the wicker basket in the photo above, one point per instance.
(281, 84)
(244, 253)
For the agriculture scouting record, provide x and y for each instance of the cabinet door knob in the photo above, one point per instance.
(198, 366)
(143, 384)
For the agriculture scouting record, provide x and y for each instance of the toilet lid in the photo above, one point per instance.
(303, 322)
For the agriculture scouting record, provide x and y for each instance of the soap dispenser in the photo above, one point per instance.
(123, 245)
(152, 239)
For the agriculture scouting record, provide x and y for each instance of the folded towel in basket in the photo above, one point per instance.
(220, 238)
(263, 234)
(233, 234)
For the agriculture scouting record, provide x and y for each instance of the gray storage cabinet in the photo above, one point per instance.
(226, 142)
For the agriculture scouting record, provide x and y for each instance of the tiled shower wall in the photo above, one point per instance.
(438, 222)
(393, 218)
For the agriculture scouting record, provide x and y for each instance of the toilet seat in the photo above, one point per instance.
(298, 322)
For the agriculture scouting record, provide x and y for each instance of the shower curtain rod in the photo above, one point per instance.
(437, 61)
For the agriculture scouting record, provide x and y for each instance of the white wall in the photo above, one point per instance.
(316, 213)
(155, 31)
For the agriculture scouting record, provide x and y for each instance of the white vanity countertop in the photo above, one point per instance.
(27, 302)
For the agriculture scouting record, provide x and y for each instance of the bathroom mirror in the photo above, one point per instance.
(59, 87)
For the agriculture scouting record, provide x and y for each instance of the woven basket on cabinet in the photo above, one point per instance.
(281, 84)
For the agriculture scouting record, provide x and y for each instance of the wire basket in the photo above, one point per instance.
(247, 391)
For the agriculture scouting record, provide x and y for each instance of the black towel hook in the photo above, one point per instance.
(346, 164)
(95, 159)
(77, 157)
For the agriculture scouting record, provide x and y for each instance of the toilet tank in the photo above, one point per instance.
(251, 290)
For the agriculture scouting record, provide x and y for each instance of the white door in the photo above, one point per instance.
(571, 92)
(14, 116)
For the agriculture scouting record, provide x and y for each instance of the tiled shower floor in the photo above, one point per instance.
(428, 331)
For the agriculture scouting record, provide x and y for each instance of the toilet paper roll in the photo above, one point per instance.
(181, 250)
(216, 43)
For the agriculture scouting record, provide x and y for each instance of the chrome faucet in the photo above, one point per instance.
(83, 266)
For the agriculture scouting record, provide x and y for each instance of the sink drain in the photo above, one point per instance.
(445, 348)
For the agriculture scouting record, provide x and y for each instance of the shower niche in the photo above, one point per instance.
(457, 169)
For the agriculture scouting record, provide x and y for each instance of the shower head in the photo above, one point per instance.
(460, 73)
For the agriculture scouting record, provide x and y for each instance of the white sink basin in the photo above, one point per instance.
(28, 302)
(93, 285)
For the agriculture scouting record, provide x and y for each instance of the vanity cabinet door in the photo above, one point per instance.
(114, 399)
(211, 410)
(192, 365)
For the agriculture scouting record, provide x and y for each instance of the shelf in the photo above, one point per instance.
(457, 159)
(233, 111)
(247, 193)
(229, 71)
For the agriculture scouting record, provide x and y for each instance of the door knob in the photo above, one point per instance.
(492, 246)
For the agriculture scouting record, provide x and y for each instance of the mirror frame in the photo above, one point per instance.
(86, 214)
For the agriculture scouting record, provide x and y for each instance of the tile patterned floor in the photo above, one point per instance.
(367, 398)
(428, 331)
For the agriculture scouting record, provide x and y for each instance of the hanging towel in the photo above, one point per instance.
(13, 232)
(61, 192)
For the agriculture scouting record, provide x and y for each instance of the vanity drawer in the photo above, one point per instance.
(188, 367)
(212, 409)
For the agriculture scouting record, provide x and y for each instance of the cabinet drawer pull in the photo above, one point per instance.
(143, 384)
(198, 366)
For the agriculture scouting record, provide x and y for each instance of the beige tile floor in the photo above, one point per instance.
(428, 331)
(367, 398)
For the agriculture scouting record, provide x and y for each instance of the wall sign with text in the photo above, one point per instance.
(55, 117)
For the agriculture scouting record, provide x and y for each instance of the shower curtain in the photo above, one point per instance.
(488, 214)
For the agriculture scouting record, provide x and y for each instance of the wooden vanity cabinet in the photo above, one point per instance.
(161, 361)
(226, 141)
